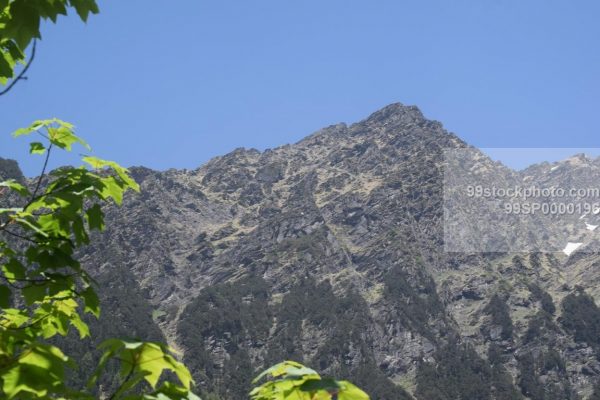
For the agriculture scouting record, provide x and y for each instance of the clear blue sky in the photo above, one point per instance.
(172, 84)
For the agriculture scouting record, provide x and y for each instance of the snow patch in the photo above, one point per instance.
(590, 227)
(571, 247)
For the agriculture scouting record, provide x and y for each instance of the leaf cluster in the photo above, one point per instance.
(291, 380)
(44, 291)
(20, 22)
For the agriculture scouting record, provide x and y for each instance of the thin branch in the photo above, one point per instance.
(19, 236)
(39, 214)
(127, 378)
(41, 177)
(34, 195)
(21, 75)
(5, 224)
(11, 284)
(8, 365)
(23, 327)
(34, 281)
(49, 193)
(42, 135)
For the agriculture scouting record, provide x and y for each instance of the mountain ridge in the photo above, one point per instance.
(330, 251)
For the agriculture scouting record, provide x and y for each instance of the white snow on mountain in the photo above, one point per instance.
(571, 247)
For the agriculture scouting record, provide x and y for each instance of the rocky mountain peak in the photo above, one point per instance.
(9, 169)
(396, 112)
(578, 160)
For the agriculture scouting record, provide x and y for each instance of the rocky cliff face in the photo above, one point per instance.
(9, 169)
(330, 251)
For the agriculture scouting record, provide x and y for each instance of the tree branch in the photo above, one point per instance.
(18, 236)
(21, 75)
(39, 181)
(127, 378)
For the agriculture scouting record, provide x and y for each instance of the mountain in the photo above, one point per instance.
(9, 169)
(331, 252)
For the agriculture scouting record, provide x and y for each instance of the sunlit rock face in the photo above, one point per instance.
(330, 251)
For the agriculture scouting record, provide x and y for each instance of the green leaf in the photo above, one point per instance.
(171, 391)
(33, 293)
(14, 318)
(24, 24)
(149, 359)
(31, 225)
(6, 66)
(38, 371)
(153, 361)
(13, 269)
(34, 127)
(15, 186)
(92, 303)
(60, 133)
(26, 379)
(10, 210)
(112, 189)
(133, 381)
(79, 231)
(84, 8)
(95, 217)
(286, 368)
(111, 347)
(313, 385)
(52, 9)
(122, 173)
(82, 327)
(4, 296)
(14, 52)
(64, 137)
(350, 392)
(36, 148)
(291, 380)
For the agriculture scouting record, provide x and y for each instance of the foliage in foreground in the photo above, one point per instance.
(20, 22)
(291, 380)
(44, 290)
